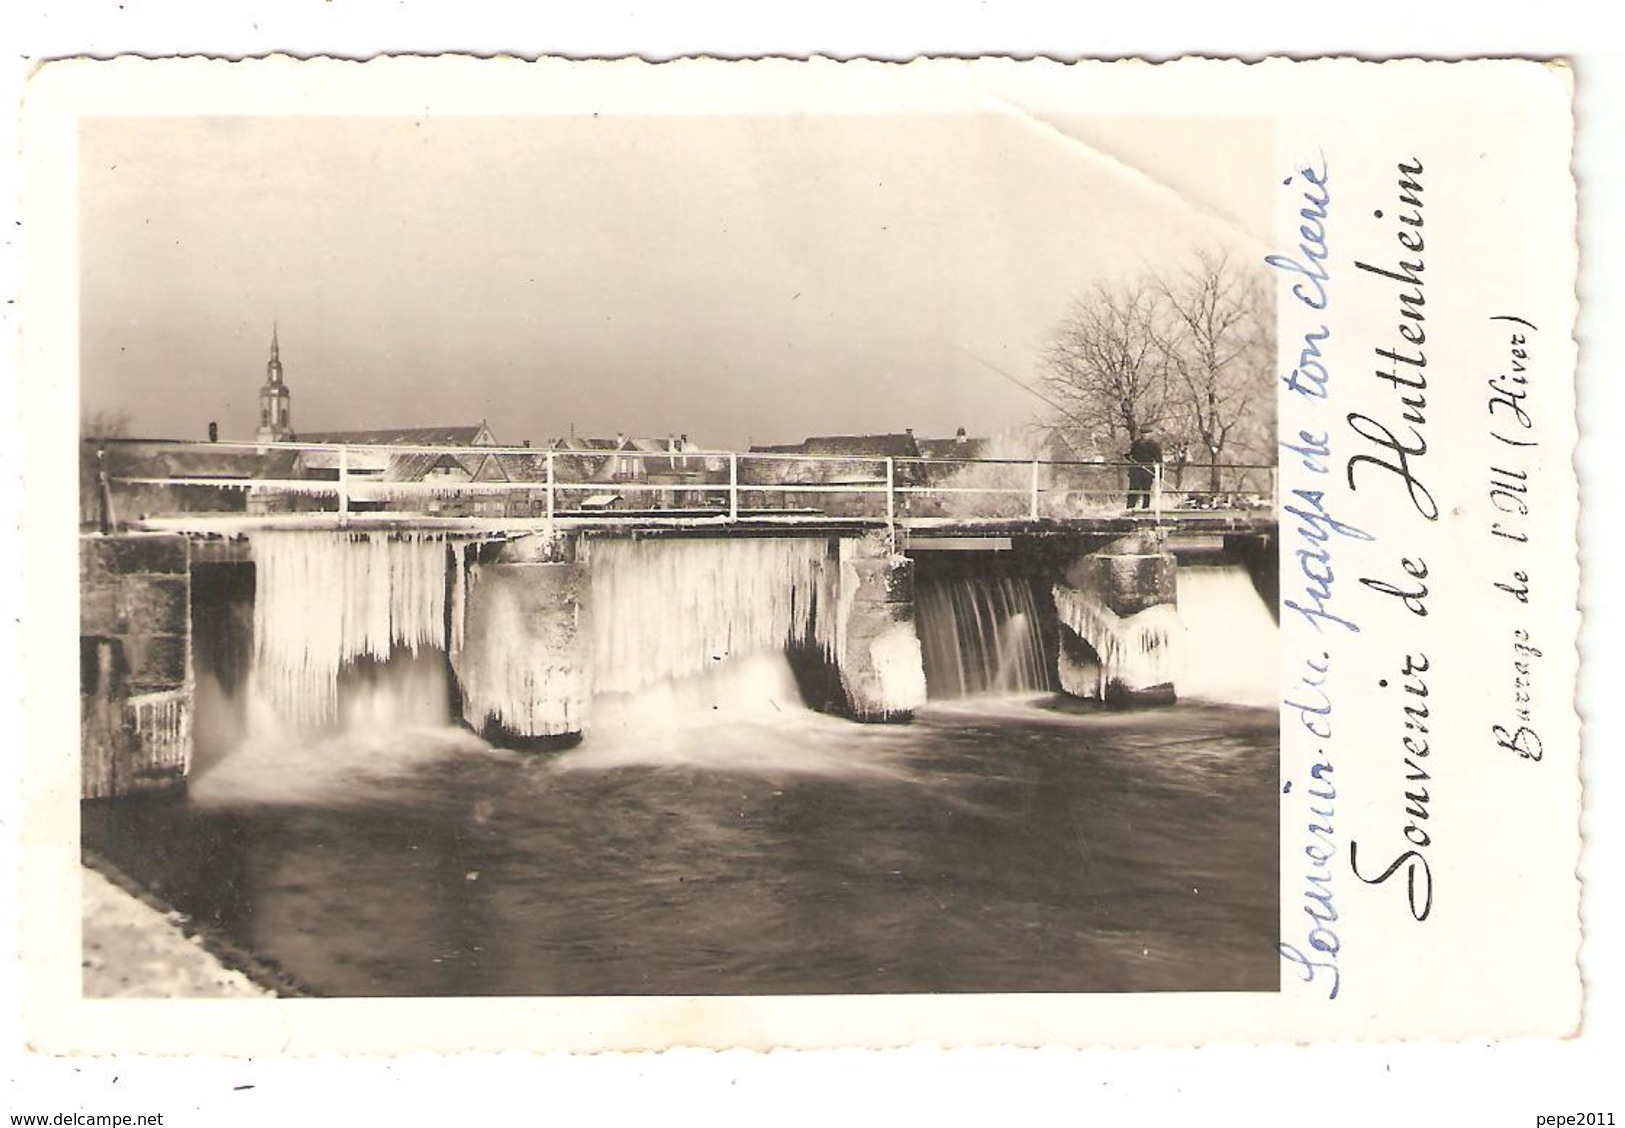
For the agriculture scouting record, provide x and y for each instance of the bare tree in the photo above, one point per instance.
(1213, 330)
(1105, 368)
(97, 423)
(104, 423)
(1188, 354)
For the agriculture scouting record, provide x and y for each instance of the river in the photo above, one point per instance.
(1010, 844)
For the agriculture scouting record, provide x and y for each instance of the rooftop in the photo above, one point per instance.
(476, 435)
(900, 445)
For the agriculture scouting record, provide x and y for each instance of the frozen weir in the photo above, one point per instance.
(673, 609)
(326, 602)
(539, 630)
(366, 629)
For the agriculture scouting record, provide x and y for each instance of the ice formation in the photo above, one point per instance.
(672, 608)
(162, 723)
(324, 599)
(1137, 651)
(459, 597)
(899, 669)
(518, 658)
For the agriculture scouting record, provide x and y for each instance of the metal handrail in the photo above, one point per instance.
(351, 483)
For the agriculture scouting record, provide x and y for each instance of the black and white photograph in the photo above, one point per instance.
(741, 553)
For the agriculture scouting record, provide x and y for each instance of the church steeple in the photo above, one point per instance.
(276, 420)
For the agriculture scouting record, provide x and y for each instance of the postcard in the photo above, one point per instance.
(607, 555)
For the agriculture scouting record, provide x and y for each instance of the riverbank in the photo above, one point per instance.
(134, 950)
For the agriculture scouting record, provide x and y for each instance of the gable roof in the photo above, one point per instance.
(521, 467)
(206, 463)
(651, 446)
(862, 446)
(952, 448)
(1059, 448)
(414, 466)
(282, 464)
(477, 435)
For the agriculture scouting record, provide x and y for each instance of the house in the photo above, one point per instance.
(1057, 444)
(583, 459)
(961, 446)
(378, 478)
(674, 468)
(838, 460)
(833, 458)
(625, 458)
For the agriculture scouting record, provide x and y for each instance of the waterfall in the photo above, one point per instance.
(325, 601)
(671, 609)
(980, 634)
(1230, 637)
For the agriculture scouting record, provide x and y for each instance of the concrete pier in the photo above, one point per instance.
(881, 665)
(524, 669)
(135, 664)
(1120, 623)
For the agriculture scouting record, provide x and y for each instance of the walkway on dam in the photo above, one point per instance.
(226, 489)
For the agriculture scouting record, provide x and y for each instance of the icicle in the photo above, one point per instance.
(671, 609)
(162, 725)
(1138, 651)
(325, 599)
(459, 597)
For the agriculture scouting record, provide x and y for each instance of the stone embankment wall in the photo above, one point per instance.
(134, 664)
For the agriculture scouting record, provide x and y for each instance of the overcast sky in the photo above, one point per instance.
(734, 278)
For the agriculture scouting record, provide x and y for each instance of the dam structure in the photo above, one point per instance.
(536, 595)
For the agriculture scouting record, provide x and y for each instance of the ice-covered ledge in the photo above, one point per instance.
(1120, 626)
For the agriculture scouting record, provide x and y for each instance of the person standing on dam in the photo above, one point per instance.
(1145, 453)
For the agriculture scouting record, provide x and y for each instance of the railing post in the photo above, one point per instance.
(551, 504)
(733, 485)
(104, 494)
(1034, 510)
(891, 502)
(1156, 491)
(344, 480)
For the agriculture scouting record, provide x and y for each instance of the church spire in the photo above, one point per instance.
(276, 422)
(273, 368)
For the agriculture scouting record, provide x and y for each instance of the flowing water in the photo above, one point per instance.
(711, 835)
(980, 635)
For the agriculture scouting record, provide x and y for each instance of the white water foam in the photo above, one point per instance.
(1230, 646)
(742, 715)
